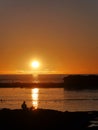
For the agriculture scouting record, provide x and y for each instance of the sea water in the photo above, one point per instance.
(41, 78)
(49, 98)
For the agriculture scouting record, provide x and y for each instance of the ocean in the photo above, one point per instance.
(45, 78)
(47, 98)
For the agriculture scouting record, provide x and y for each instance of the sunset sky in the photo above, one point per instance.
(61, 34)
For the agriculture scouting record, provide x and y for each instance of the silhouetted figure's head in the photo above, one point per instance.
(24, 106)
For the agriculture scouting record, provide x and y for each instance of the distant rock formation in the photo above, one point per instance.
(81, 82)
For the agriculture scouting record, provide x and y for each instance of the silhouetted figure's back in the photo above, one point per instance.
(24, 106)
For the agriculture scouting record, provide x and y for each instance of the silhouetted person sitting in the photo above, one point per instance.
(24, 106)
(31, 108)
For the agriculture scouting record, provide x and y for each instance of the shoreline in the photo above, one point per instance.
(45, 85)
(31, 85)
(46, 119)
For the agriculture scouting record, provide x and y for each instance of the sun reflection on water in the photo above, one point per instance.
(35, 93)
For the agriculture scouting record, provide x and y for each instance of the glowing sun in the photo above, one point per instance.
(35, 64)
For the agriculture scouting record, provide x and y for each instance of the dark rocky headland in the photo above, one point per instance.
(78, 82)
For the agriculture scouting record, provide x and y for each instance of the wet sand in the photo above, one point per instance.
(43, 119)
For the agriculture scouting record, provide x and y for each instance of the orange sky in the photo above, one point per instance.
(63, 36)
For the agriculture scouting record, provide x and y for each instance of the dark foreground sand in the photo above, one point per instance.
(43, 119)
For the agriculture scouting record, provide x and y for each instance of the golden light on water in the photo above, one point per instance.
(35, 93)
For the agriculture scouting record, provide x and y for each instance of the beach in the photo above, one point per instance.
(70, 109)
(43, 119)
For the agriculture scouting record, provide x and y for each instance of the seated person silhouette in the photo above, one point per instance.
(24, 106)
